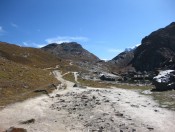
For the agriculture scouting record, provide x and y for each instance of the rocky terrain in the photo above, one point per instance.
(75, 110)
(93, 99)
(123, 59)
(156, 50)
(165, 80)
(78, 56)
(72, 51)
(22, 72)
(155, 54)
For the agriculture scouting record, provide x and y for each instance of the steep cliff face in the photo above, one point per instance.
(72, 51)
(156, 50)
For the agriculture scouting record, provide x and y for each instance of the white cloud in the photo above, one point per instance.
(133, 47)
(105, 60)
(40, 45)
(25, 44)
(2, 31)
(61, 39)
(32, 44)
(138, 45)
(14, 25)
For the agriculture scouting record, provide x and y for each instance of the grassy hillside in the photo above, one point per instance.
(28, 56)
(22, 72)
(18, 82)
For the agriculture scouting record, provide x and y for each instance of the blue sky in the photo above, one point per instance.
(104, 27)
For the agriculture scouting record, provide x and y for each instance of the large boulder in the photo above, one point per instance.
(13, 129)
(108, 77)
(165, 80)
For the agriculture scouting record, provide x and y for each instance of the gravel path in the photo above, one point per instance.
(89, 110)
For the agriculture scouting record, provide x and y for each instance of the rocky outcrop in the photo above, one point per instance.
(72, 51)
(13, 129)
(30, 121)
(108, 77)
(165, 80)
(156, 50)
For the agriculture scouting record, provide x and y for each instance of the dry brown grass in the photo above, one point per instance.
(166, 99)
(70, 68)
(28, 56)
(69, 77)
(21, 72)
(103, 84)
(17, 82)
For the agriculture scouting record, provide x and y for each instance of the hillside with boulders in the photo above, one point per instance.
(76, 85)
(157, 50)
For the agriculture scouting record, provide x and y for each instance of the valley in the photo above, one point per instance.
(88, 109)
(65, 88)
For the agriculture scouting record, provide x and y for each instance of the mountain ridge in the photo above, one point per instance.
(28, 56)
(70, 50)
(157, 50)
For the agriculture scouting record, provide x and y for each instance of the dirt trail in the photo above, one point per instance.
(75, 76)
(87, 110)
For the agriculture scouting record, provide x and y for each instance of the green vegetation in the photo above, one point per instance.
(166, 99)
(70, 68)
(133, 87)
(102, 84)
(69, 77)
(96, 84)
(21, 72)
(17, 82)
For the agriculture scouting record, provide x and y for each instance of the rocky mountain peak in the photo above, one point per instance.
(71, 44)
(52, 45)
(157, 50)
(172, 24)
(70, 50)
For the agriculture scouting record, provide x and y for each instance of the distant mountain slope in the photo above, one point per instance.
(123, 59)
(72, 51)
(28, 56)
(157, 50)
(18, 82)
(21, 72)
